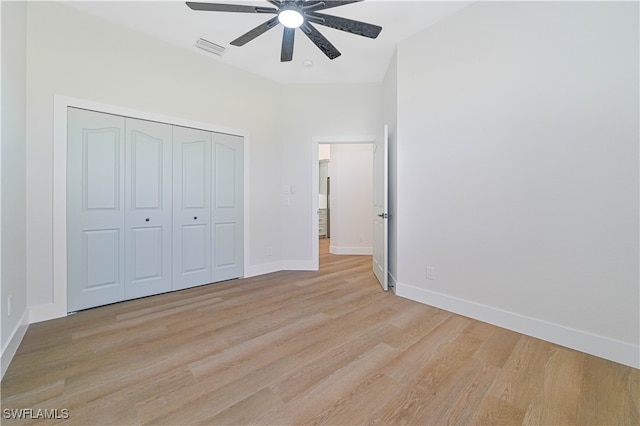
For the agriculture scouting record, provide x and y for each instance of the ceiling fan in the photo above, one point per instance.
(294, 14)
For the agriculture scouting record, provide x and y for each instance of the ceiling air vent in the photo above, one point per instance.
(210, 47)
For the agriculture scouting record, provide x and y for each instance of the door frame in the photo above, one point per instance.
(58, 308)
(315, 183)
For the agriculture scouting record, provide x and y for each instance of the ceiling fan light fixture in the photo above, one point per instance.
(290, 18)
(294, 14)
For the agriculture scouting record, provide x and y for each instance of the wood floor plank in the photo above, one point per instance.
(523, 373)
(444, 400)
(606, 395)
(497, 348)
(250, 349)
(245, 411)
(422, 323)
(323, 360)
(413, 403)
(356, 406)
(560, 396)
(425, 349)
(294, 347)
(34, 395)
(471, 391)
(496, 412)
(329, 391)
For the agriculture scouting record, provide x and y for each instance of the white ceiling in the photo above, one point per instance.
(362, 60)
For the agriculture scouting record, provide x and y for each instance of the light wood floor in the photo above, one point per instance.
(325, 347)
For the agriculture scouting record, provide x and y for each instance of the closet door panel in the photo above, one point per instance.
(192, 207)
(95, 206)
(225, 244)
(101, 169)
(227, 208)
(147, 255)
(100, 259)
(148, 208)
(195, 173)
(195, 242)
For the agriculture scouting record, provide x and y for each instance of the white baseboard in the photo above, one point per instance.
(285, 265)
(46, 312)
(351, 250)
(299, 265)
(262, 269)
(600, 346)
(14, 342)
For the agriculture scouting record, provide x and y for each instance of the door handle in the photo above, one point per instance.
(383, 215)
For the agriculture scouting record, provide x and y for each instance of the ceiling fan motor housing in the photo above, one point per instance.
(290, 16)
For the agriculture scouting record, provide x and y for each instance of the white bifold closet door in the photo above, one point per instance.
(208, 207)
(151, 208)
(147, 208)
(95, 209)
(227, 207)
(119, 208)
(191, 207)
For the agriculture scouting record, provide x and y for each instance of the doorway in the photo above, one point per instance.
(350, 229)
(346, 198)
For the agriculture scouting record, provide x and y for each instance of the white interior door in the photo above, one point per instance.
(148, 208)
(381, 208)
(191, 207)
(227, 207)
(95, 205)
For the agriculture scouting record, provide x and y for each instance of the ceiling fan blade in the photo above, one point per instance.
(344, 24)
(328, 4)
(260, 29)
(218, 7)
(320, 40)
(288, 37)
(311, 6)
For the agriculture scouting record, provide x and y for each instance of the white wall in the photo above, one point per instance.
(77, 55)
(13, 188)
(518, 164)
(324, 111)
(351, 199)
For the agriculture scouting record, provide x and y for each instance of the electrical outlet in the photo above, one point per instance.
(9, 305)
(431, 273)
(269, 251)
(361, 237)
